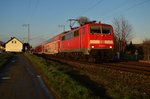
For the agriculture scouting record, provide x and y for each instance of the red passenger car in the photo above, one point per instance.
(52, 46)
(39, 49)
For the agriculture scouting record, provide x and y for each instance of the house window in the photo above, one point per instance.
(14, 41)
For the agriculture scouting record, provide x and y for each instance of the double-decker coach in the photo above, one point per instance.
(39, 49)
(52, 46)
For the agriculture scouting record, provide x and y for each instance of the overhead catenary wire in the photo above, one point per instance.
(119, 7)
(127, 9)
(88, 8)
(112, 10)
(93, 6)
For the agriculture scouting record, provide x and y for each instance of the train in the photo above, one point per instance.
(91, 42)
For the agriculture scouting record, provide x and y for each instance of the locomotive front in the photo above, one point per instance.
(101, 36)
(101, 41)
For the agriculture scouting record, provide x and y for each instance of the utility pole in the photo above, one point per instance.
(28, 26)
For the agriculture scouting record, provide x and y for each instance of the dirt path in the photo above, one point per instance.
(18, 80)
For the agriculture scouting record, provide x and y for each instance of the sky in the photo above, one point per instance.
(45, 17)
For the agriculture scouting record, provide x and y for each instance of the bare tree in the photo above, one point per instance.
(83, 20)
(123, 33)
(146, 47)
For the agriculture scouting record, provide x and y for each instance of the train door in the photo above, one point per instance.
(80, 34)
(83, 39)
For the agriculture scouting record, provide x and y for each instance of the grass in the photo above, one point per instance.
(60, 79)
(4, 58)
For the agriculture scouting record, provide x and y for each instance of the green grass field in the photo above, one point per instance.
(59, 81)
(4, 58)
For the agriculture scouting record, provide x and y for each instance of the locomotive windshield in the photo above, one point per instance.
(100, 29)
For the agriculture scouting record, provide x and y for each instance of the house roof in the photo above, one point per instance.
(12, 39)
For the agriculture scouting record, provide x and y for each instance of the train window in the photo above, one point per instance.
(100, 29)
(69, 35)
(63, 38)
(76, 33)
(66, 36)
(95, 29)
(51, 39)
(106, 30)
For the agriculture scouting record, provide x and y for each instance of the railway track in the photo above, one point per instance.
(139, 68)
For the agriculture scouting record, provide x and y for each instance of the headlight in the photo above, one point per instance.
(110, 46)
(92, 46)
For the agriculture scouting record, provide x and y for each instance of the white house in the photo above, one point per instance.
(13, 45)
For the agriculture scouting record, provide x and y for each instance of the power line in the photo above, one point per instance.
(129, 8)
(92, 7)
(138, 4)
(116, 8)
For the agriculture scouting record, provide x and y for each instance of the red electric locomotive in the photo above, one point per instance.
(93, 40)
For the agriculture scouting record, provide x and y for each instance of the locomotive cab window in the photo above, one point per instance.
(106, 30)
(76, 33)
(100, 29)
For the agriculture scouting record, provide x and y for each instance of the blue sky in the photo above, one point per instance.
(45, 16)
